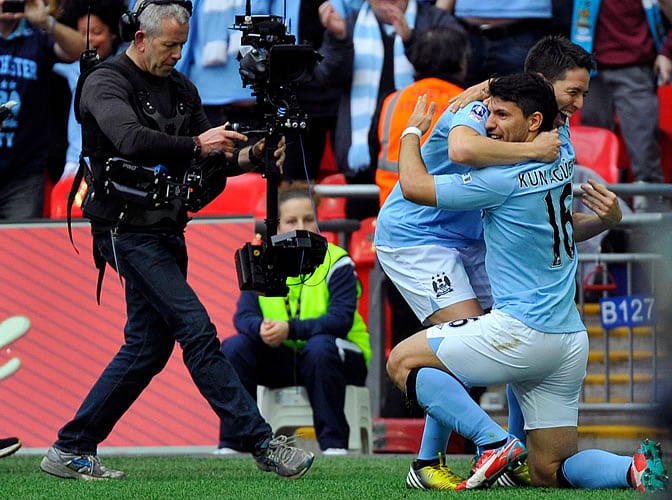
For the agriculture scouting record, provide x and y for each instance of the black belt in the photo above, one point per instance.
(495, 31)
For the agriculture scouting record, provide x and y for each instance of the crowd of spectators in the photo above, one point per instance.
(365, 46)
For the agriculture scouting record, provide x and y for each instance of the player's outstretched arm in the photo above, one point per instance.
(416, 183)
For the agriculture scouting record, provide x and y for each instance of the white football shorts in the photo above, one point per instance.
(545, 370)
(431, 277)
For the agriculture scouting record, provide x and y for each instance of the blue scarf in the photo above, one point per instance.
(367, 68)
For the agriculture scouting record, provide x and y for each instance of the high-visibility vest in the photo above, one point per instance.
(397, 108)
(313, 295)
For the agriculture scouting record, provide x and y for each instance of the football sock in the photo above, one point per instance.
(446, 399)
(597, 469)
(434, 439)
(516, 420)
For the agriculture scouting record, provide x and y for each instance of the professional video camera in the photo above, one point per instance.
(154, 187)
(273, 65)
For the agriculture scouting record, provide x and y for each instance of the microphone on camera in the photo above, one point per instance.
(6, 110)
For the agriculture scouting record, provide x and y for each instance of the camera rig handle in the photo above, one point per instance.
(272, 174)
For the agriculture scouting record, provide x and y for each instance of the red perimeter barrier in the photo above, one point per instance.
(71, 339)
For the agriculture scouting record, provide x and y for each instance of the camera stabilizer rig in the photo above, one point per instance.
(273, 65)
(154, 187)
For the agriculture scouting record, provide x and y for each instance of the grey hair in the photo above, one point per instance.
(154, 14)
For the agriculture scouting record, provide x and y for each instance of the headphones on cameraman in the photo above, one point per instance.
(129, 22)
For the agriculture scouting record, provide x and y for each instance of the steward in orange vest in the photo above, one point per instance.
(439, 56)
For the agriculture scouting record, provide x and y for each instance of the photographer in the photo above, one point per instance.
(32, 41)
(136, 106)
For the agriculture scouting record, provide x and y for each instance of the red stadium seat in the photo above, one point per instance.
(328, 163)
(363, 254)
(665, 125)
(598, 149)
(59, 199)
(240, 197)
(332, 208)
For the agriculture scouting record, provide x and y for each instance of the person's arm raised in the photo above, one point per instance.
(417, 185)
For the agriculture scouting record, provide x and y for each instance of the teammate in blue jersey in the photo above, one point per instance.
(534, 338)
(436, 258)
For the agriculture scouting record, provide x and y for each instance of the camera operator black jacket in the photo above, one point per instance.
(147, 120)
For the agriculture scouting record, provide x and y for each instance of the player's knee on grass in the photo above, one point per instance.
(544, 474)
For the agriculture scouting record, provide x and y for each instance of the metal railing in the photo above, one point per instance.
(639, 279)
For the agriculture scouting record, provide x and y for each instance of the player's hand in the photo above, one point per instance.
(274, 332)
(478, 92)
(547, 146)
(602, 201)
(220, 140)
(332, 20)
(422, 114)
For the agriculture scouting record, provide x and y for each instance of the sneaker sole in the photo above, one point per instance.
(655, 476)
(303, 471)
(10, 450)
(58, 470)
(266, 468)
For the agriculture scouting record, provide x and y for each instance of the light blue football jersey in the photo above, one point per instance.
(402, 223)
(531, 258)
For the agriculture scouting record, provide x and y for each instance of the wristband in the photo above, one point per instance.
(411, 130)
(197, 148)
(254, 159)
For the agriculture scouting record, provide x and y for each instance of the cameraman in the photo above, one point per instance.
(137, 107)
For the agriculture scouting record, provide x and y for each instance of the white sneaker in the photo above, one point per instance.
(226, 452)
(335, 452)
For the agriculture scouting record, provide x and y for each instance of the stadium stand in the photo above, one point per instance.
(59, 199)
(240, 197)
(598, 149)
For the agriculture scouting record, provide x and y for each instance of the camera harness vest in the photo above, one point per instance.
(96, 146)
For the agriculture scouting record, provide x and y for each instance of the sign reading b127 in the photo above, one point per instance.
(631, 311)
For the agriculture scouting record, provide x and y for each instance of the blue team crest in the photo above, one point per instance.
(478, 112)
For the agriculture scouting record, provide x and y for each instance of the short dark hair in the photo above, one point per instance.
(439, 52)
(109, 11)
(554, 55)
(530, 92)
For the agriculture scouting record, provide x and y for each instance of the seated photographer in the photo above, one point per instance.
(313, 337)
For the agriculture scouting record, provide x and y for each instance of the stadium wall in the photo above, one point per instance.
(46, 372)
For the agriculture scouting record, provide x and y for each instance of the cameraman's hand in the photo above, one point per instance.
(274, 332)
(220, 140)
(256, 153)
(332, 20)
